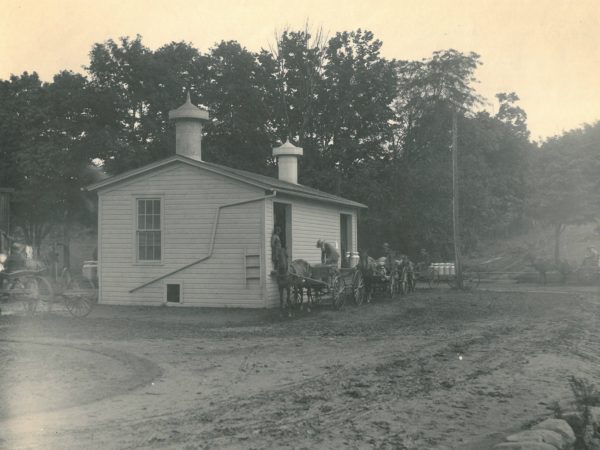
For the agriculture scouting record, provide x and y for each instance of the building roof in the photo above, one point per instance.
(261, 181)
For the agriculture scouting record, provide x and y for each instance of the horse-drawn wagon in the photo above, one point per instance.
(377, 276)
(25, 288)
(22, 278)
(325, 282)
(30, 289)
(319, 282)
(78, 293)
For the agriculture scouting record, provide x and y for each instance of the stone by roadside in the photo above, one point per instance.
(551, 434)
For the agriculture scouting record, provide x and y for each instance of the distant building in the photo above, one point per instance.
(189, 232)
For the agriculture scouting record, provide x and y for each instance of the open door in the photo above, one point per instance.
(346, 246)
(282, 218)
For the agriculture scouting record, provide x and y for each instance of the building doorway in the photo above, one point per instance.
(346, 247)
(282, 218)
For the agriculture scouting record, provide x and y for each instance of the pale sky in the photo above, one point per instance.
(548, 52)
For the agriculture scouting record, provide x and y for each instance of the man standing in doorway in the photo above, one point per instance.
(275, 246)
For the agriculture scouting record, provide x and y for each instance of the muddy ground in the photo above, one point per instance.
(435, 370)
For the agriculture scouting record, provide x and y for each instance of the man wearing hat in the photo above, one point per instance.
(390, 257)
(329, 254)
(16, 260)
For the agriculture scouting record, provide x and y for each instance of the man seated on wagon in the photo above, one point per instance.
(388, 258)
(329, 254)
(17, 259)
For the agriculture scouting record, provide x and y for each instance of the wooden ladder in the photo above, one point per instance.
(252, 263)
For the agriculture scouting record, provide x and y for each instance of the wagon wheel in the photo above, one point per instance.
(27, 292)
(80, 297)
(316, 295)
(358, 287)
(45, 292)
(337, 291)
(297, 297)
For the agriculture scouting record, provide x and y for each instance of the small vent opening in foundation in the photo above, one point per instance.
(173, 293)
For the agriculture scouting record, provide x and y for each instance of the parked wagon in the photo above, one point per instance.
(376, 276)
(78, 293)
(329, 283)
(445, 272)
(25, 288)
(385, 280)
(394, 280)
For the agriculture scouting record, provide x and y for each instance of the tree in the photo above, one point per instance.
(144, 85)
(374, 130)
(46, 152)
(565, 186)
(237, 96)
(23, 119)
(359, 88)
(134, 90)
(512, 115)
(294, 69)
(492, 157)
(428, 92)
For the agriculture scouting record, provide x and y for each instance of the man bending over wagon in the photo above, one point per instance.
(329, 254)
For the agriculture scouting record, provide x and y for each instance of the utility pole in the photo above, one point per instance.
(455, 221)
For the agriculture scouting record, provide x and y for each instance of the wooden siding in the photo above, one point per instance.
(190, 199)
(311, 221)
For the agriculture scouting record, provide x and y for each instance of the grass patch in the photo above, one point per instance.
(583, 422)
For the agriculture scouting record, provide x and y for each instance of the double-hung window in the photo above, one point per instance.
(148, 230)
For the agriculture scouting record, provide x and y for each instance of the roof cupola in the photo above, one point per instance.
(188, 129)
(287, 161)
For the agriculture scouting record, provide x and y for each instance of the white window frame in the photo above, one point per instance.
(148, 196)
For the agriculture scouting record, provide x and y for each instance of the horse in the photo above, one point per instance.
(412, 277)
(369, 270)
(406, 269)
(299, 270)
(291, 278)
(283, 279)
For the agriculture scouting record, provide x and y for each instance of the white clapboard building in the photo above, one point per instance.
(182, 231)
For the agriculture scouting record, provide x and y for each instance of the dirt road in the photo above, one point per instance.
(433, 370)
